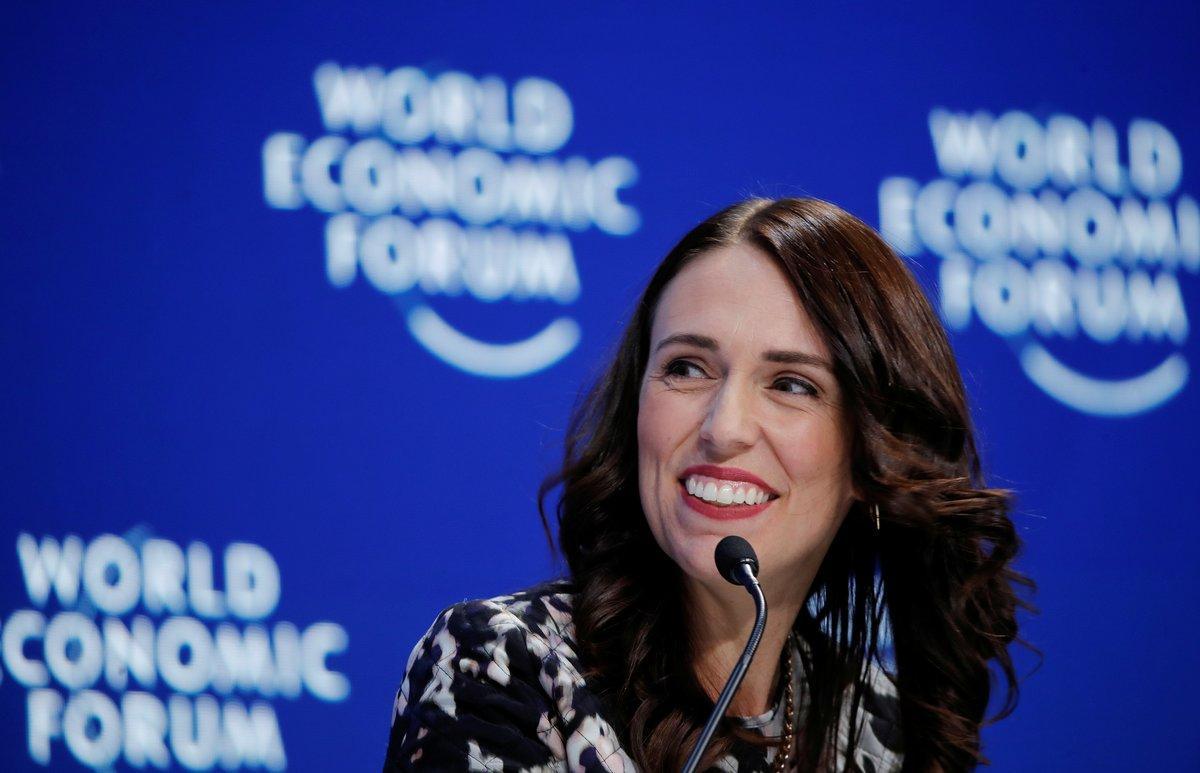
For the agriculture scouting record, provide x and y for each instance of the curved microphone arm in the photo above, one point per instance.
(746, 578)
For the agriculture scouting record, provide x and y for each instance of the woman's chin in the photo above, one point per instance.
(695, 558)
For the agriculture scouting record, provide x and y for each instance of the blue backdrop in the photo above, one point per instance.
(297, 299)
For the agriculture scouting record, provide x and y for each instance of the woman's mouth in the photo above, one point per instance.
(724, 499)
(724, 492)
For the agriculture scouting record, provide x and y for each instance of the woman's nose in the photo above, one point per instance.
(730, 426)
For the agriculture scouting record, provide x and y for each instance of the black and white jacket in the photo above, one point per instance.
(496, 685)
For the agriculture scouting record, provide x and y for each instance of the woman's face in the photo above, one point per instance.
(739, 402)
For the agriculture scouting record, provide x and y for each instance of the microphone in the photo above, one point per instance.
(733, 554)
(738, 564)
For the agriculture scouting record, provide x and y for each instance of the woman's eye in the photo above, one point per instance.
(795, 386)
(684, 368)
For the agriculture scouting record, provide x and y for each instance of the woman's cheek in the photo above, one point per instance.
(648, 466)
(660, 432)
(654, 424)
(818, 467)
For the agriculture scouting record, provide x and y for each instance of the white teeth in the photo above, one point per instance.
(725, 492)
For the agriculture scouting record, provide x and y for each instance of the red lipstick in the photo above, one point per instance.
(724, 512)
(728, 473)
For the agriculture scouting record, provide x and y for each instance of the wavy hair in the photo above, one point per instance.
(937, 575)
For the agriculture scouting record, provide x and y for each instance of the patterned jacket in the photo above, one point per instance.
(496, 685)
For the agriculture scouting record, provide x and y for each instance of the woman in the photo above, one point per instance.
(783, 378)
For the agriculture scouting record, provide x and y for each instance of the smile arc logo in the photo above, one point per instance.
(511, 360)
(1100, 397)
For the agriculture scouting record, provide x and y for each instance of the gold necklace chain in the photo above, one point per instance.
(784, 756)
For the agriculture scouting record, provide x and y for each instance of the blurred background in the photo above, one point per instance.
(297, 299)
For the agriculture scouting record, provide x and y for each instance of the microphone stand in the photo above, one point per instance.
(744, 573)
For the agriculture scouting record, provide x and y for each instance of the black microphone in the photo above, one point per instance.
(737, 563)
(733, 554)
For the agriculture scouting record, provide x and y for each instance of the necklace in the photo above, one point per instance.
(786, 742)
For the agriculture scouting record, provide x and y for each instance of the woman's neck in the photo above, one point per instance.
(720, 622)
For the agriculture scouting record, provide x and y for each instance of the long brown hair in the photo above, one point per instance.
(938, 574)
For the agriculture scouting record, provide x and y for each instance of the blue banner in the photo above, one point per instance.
(298, 299)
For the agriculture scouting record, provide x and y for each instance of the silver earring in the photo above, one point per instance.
(875, 515)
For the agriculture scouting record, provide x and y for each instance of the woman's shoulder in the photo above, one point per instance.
(880, 739)
(542, 611)
(497, 682)
(502, 640)
(870, 709)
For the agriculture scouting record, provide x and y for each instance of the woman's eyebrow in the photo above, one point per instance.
(771, 355)
(796, 358)
(695, 339)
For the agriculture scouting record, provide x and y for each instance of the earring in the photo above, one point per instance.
(875, 515)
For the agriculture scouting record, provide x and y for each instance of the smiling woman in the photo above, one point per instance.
(740, 373)
(783, 379)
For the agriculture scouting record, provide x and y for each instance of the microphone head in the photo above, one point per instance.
(732, 552)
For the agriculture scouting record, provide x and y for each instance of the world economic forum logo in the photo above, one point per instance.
(1065, 238)
(140, 648)
(448, 185)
